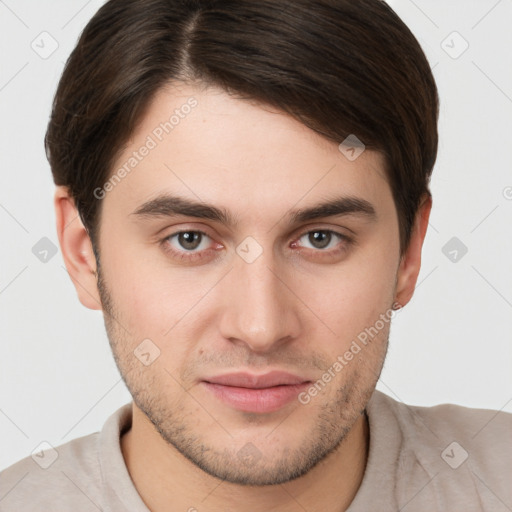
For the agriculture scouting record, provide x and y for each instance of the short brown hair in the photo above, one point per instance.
(340, 67)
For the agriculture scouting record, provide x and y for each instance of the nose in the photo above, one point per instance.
(259, 309)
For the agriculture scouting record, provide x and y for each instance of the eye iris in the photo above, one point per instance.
(320, 239)
(189, 239)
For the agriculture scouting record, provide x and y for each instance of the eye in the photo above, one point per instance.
(188, 240)
(192, 245)
(187, 244)
(323, 240)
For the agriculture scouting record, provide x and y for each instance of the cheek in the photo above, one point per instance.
(136, 292)
(153, 306)
(156, 303)
(350, 298)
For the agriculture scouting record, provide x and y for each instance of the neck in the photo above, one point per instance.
(163, 476)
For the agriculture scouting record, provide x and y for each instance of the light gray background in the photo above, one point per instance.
(452, 343)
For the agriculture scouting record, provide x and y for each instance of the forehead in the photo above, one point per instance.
(249, 158)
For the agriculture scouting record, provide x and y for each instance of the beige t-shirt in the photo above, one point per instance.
(443, 458)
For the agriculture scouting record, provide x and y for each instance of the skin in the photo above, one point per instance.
(297, 307)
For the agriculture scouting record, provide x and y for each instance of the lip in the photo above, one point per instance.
(256, 393)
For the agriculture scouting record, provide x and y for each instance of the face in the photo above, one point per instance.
(256, 278)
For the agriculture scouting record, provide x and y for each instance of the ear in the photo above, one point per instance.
(410, 262)
(76, 249)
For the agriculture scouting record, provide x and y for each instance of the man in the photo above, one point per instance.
(242, 188)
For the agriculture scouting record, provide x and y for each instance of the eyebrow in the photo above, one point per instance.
(172, 206)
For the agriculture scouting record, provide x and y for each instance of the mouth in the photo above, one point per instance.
(256, 393)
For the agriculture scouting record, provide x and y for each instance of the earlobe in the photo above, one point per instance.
(76, 249)
(410, 263)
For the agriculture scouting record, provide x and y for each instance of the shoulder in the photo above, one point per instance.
(465, 422)
(66, 477)
(464, 451)
(54, 476)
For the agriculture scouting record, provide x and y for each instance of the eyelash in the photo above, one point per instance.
(194, 256)
(184, 255)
